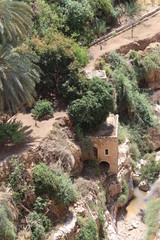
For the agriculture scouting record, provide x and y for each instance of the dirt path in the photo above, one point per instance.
(146, 29)
(35, 133)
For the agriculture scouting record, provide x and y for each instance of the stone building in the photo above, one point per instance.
(105, 143)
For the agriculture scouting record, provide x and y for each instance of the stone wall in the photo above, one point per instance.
(110, 143)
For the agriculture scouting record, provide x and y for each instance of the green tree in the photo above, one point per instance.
(18, 72)
(132, 9)
(15, 20)
(18, 76)
(92, 109)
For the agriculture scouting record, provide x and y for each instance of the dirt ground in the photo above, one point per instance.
(146, 29)
(36, 133)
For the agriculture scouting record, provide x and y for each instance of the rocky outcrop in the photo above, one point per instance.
(144, 186)
(67, 230)
(110, 227)
(58, 150)
(125, 166)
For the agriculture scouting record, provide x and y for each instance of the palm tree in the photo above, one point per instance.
(18, 76)
(15, 20)
(18, 71)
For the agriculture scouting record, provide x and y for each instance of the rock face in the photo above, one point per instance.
(67, 230)
(110, 227)
(125, 166)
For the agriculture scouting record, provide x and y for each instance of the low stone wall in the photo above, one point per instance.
(125, 27)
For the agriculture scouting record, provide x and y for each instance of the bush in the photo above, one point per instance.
(88, 231)
(57, 186)
(18, 180)
(135, 153)
(37, 220)
(7, 228)
(122, 133)
(124, 195)
(150, 171)
(92, 109)
(12, 132)
(42, 108)
(151, 218)
(130, 100)
(39, 225)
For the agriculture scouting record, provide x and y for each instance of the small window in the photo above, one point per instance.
(106, 151)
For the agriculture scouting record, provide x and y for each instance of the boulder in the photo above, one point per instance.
(144, 186)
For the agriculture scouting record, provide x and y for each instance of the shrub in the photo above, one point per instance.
(151, 61)
(88, 231)
(12, 132)
(42, 108)
(150, 171)
(124, 195)
(135, 153)
(130, 100)
(92, 109)
(18, 180)
(39, 225)
(151, 217)
(57, 186)
(122, 133)
(7, 228)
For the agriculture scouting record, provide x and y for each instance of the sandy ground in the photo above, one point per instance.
(146, 29)
(36, 133)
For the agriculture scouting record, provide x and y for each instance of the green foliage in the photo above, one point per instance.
(17, 180)
(38, 221)
(60, 59)
(17, 84)
(129, 98)
(77, 14)
(141, 138)
(135, 154)
(39, 225)
(7, 228)
(12, 132)
(124, 195)
(88, 231)
(122, 133)
(57, 186)
(151, 61)
(42, 108)
(92, 109)
(150, 171)
(101, 221)
(16, 20)
(152, 213)
(135, 57)
(132, 8)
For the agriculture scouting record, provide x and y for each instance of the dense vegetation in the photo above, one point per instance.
(93, 108)
(50, 183)
(136, 116)
(43, 48)
(152, 218)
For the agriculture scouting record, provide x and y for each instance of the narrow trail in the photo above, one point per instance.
(144, 31)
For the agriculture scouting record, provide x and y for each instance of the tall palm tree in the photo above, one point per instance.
(18, 72)
(18, 76)
(15, 20)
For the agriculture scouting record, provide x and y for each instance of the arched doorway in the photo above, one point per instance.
(104, 166)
